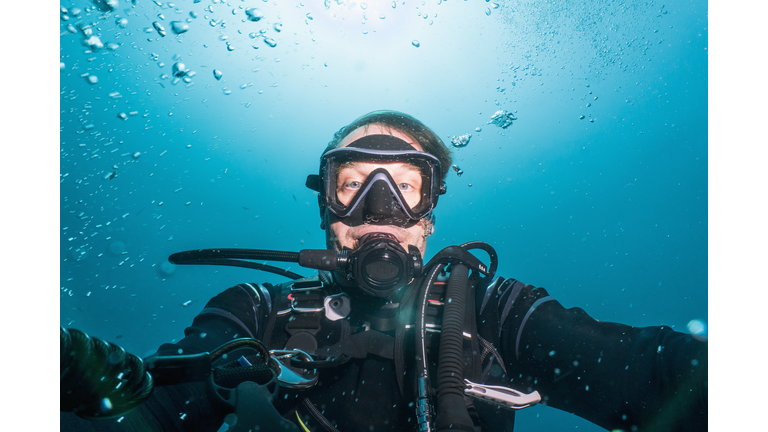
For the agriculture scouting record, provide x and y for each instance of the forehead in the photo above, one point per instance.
(379, 129)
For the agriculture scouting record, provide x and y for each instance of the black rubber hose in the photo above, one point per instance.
(489, 250)
(424, 411)
(242, 264)
(99, 379)
(189, 257)
(451, 411)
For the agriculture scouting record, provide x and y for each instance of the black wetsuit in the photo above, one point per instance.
(616, 376)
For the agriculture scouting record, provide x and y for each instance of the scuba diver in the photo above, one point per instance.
(380, 340)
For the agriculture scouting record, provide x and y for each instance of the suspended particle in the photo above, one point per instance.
(698, 329)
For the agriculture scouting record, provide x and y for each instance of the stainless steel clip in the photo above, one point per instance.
(288, 376)
(503, 396)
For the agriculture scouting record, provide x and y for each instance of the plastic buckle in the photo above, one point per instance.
(502, 396)
(306, 285)
(287, 376)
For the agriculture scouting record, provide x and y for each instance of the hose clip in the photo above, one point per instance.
(289, 376)
(501, 396)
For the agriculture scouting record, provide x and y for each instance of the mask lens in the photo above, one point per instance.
(408, 179)
(354, 175)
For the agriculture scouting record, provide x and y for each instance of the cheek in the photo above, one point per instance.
(341, 232)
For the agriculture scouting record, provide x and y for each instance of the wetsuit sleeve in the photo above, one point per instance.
(236, 312)
(614, 375)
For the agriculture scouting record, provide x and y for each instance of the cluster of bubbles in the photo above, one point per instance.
(502, 119)
(461, 141)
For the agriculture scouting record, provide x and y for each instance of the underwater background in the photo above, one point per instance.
(193, 124)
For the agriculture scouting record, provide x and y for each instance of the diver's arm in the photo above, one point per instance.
(613, 375)
(232, 314)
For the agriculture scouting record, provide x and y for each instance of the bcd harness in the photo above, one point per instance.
(318, 334)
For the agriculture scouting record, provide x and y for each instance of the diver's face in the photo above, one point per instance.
(406, 176)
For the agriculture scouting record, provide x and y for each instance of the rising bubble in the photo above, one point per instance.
(179, 27)
(93, 43)
(254, 14)
(415, 43)
(159, 27)
(179, 69)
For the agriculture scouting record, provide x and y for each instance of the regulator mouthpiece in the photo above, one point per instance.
(379, 267)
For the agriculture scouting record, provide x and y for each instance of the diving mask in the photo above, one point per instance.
(399, 197)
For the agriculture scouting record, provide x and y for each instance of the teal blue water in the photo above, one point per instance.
(597, 191)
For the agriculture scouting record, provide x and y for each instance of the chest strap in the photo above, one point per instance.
(358, 345)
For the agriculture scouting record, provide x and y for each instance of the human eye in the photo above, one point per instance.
(405, 187)
(352, 185)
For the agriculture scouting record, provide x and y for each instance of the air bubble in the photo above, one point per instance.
(179, 27)
(159, 27)
(254, 14)
(217, 74)
(179, 69)
(415, 43)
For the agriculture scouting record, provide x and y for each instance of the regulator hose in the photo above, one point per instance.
(99, 379)
(238, 258)
(451, 411)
